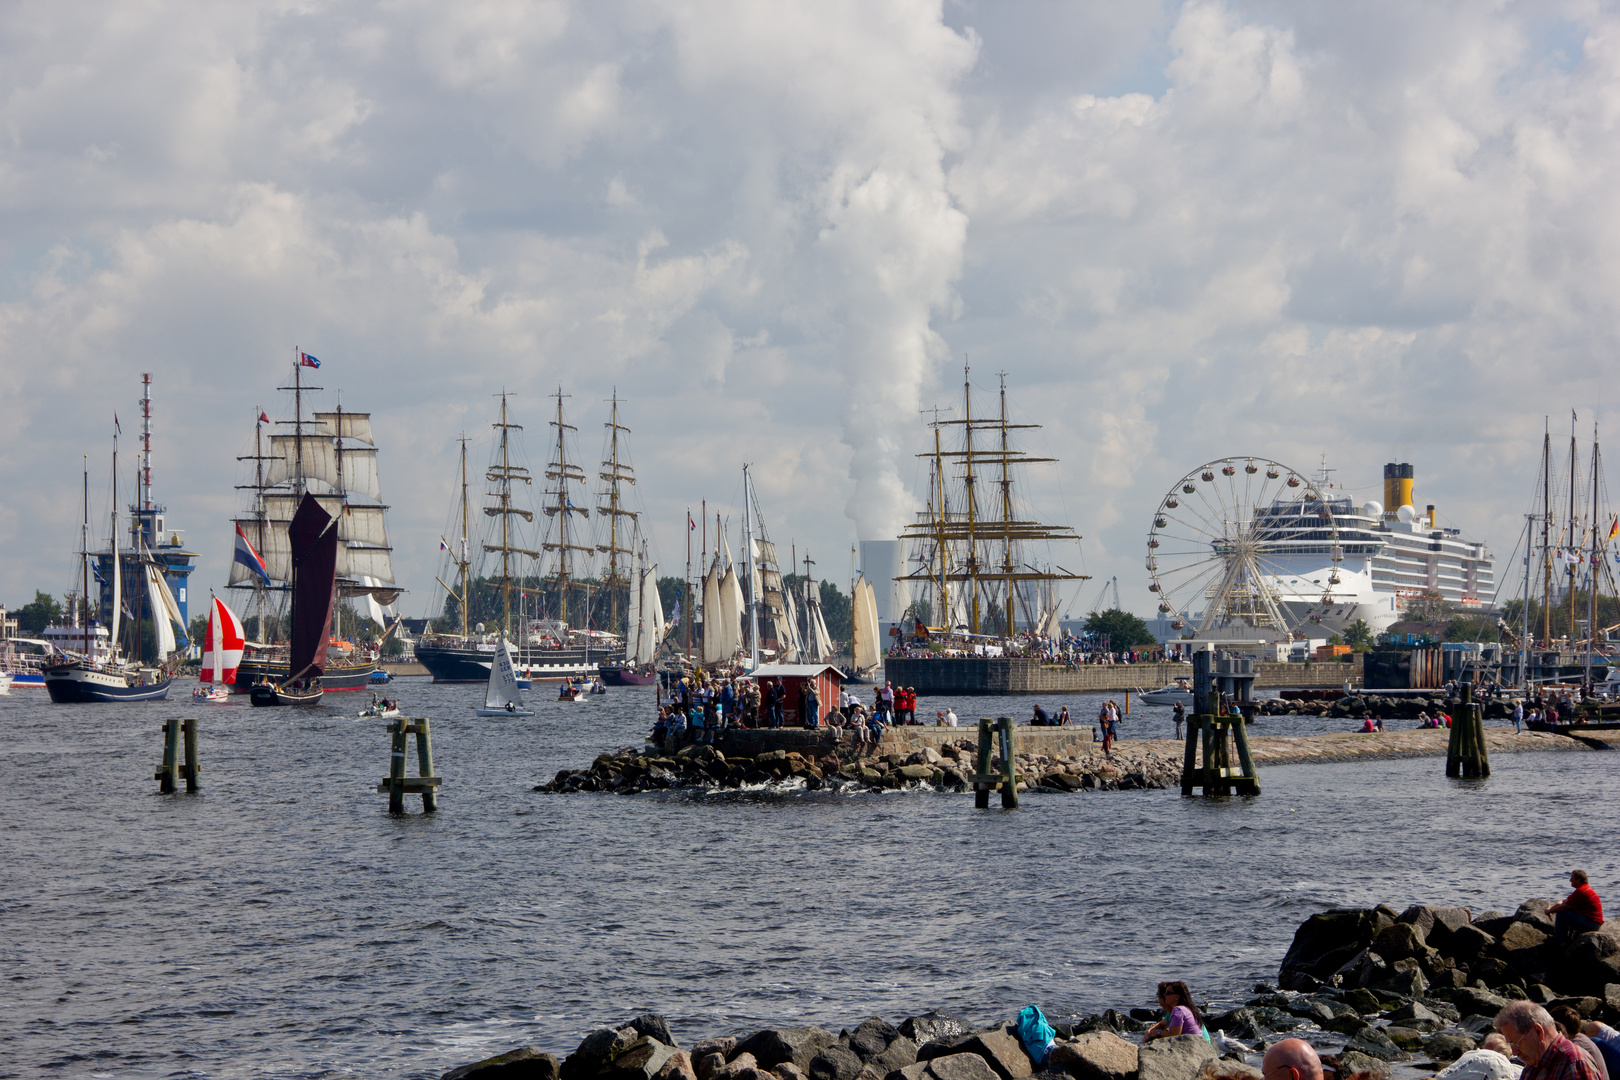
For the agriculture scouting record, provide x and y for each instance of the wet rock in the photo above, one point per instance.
(1405, 978)
(1374, 1043)
(1348, 1024)
(1363, 969)
(1121, 1022)
(1448, 1046)
(1239, 1023)
(933, 1024)
(1096, 1055)
(1402, 941)
(1177, 1057)
(1468, 943)
(1352, 1062)
(1415, 1015)
(1363, 1001)
(1435, 925)
(524, 1063)
(1469, 999)
(1404, 1037)
(776, 1045)
(654, 1027)
(880, 1043)
(835, 1063)
(1326, 941)
(597, 1051)
(644, 1059)
(960, 1067)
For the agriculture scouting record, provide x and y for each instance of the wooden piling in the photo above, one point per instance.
(190, 767)
(984, 780)
(1009, 778)
(1217, 735)
(981, 793)
(1467, 755)
(168, 770)
(397, 785)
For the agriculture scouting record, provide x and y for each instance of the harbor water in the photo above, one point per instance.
(281, 923)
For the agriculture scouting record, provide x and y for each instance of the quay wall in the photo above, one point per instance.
(1027, 675)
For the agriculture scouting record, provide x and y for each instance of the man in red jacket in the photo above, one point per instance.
(1578, 913)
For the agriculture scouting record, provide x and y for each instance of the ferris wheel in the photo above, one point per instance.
(1223, 540)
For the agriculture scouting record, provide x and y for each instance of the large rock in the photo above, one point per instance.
(1095, 1055)
(1468, 943)
(1001, 1050)
(740, 1066)
(776, 1045)
(524, 1063)
(1374, 1043)
(959, 1067)
(1363, 969)
(1534, 913)
(1472, 1000)
(1435, 924)
(644, 1059)
(1352, 1063)
(679, 1067)
(597, 1051)
(1178, 1057)
(881, 1045)
(835, 1062)
(1415, 1015)
(1402, 941)
(933, 1025)
(723, 1045)
(1448, 1045)
(1325, 941)
(1405, 977)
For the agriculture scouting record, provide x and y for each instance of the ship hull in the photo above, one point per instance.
(79, 686)
(252, 672)
(616, 675)
(470, 662)
(272, 696)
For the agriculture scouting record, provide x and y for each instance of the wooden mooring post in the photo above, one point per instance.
(1217, 735)
(985, 781)
(1466, 753)
(397, 784)
(172, 768)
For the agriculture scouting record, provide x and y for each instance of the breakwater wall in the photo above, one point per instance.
(1028, 675)
(1369, 987)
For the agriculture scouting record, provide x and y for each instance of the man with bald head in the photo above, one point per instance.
(1546, 1053)
(1291, 1059)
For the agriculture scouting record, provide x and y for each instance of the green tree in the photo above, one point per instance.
(1430, 606)
(197, 630)
(1122, 629)
(838, 613)
(1358, 635)
(36, 616)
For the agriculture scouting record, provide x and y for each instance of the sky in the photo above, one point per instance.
(1297, 231)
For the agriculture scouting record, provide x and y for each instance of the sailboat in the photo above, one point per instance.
(332, 456)
(312, 540)
(644, 628)
(222, 652)
(101, 674)
(864, 648)
(502, 696)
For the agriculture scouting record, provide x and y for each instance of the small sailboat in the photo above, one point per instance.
(502, 696)
(222, 652)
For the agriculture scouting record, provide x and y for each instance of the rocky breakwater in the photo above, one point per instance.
(934, 1046)
(629, 771)
(1384, 706)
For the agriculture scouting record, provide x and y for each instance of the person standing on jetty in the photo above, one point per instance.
(1179, 715)
(1180, 1014)
(1533, 1036)
(1578, 913)
(1291, 1059)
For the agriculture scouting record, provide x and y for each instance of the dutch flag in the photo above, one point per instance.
(248, 557)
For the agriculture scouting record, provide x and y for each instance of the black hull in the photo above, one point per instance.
(338, 678)
(469, 663)
(66, 689)
(269, 696)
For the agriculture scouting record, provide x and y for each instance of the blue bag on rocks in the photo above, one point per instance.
(1035, 1033)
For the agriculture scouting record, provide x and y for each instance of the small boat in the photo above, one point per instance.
(5, 683)
(379, 710)
(266, 693)
(1179, 691)
(380, 676)
(222, 652)
(569, 691)
(598, 687)
(501, 695)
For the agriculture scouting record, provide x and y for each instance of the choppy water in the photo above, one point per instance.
(282, 924)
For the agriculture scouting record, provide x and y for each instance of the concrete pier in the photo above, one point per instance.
(1028, 675)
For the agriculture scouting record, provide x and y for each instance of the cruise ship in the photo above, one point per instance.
(1331, 562)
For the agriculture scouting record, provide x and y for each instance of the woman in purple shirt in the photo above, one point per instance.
(1181, 1015)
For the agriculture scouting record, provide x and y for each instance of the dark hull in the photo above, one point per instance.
(270, 696)
(336, 678)
(72, 686)
(470, 663)
(614, 675)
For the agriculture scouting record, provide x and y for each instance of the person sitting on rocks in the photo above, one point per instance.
(1291, 1059)
(1607, 1041)
(1181, 1015)
(1578, 913)
(1546, 1054)
(1569, 1022)
(1490, 1062)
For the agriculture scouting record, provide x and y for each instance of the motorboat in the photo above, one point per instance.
(1177, 693)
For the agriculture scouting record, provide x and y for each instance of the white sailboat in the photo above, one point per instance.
(502, 696)
(865, 646)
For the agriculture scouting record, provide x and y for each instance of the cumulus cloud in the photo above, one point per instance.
(1184, 232)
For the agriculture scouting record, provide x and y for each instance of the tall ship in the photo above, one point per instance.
(545, 645)
(331, 456)
(1248, 549)
(984, 575)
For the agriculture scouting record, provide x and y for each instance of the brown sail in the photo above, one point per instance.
(314, 540)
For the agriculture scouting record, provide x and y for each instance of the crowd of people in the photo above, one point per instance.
(1066, 650)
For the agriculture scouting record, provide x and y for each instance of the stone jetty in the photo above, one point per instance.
(1373, 989)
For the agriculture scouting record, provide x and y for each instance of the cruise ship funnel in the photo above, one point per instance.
(1397, 487)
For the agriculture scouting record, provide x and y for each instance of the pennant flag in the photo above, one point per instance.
(263, 419)
(691, 526)
(676, 617)
(442, 545)
(118, 428)
(250, 558)
(307, 360)
(1614, 527)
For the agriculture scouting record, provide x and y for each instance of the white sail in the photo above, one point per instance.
(866, 629)
(503, 684)
(117, 575)
(823, 646)
(652, 601)
(731, 608)
(633, 630)
(716, 643)
(355, 426)
(162, 628)
(787, 631)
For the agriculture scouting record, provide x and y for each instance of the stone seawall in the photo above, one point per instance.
(1026, 675)
(751, 742)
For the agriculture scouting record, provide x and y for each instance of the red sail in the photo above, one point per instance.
(313, 537)
(223, 649)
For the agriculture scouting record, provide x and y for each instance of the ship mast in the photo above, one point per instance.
(465, 559)
(501, 476)
(1570, 541)
(1546, 536)
(1594, 565)
(614, 473)
(560, 471)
